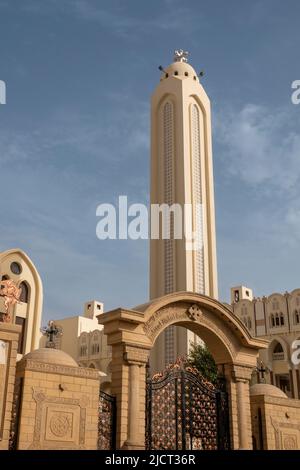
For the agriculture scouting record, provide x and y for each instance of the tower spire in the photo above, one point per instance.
(182, 175)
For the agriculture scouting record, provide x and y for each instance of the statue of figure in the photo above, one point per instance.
(11, 294)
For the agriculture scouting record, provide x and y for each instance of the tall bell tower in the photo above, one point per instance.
(182, 173)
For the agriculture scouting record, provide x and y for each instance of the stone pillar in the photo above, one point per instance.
(294, 378)
(238, 378)
(242, 376)
(133, 405)
(242, 413)
(298, 382)
(129, 387)
(136, 359)
(130, 353)
(292, 383)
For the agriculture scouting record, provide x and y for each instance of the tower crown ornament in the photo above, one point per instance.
(181, 56)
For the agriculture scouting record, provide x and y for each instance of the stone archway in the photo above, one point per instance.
(132, 333)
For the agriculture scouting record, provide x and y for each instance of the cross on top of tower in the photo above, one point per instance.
(180, 55)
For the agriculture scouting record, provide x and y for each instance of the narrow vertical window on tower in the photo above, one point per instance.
(168, 136)
(168, 146)
(197, 199)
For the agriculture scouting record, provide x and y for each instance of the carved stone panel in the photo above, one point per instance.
(59, 422)
(287, 435)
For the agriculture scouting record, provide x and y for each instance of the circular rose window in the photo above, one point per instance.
(15, 268)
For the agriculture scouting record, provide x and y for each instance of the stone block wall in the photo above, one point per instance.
(275, 422)
(59, 406)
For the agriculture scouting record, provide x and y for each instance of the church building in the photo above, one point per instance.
(120, 379)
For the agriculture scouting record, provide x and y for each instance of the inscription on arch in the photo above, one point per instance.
(163, 317)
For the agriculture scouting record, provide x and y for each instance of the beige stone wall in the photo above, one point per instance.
(280, 422)
(59, 408)
(9, 334)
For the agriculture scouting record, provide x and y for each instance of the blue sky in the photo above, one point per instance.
(75, 133)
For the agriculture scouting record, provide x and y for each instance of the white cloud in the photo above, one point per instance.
(260, 146)
(118, 18)
(124, 24)
(112, 136)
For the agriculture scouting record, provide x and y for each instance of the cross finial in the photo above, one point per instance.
(51, 331)
(261, 370)
(180, 55)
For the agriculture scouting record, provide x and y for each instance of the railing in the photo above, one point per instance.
(278, 356)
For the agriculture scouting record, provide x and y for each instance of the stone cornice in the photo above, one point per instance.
(27, 364)
(281, 401)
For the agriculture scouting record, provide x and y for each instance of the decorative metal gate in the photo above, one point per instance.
(186, 412)
(107, 422)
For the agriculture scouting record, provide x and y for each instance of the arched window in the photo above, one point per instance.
(277, 319)
(296, 317)
(24, 297)
(95, 348)
(272, 318)
(278, 348)
(281, 319)
(278, 353)
(95, 343)
(83, 344)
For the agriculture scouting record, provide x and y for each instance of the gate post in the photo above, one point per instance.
(130, 352)
(238, 377)
(136, 359)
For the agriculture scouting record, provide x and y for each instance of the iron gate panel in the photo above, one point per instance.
(106, 422)
(186, 412)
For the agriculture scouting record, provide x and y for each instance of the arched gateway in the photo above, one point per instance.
(132, 333)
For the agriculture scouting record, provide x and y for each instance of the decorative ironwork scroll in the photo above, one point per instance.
(107, 422)
(185, 412)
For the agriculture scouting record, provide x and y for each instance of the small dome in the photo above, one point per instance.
(267, 389)
(51, 356)
(180, 70)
